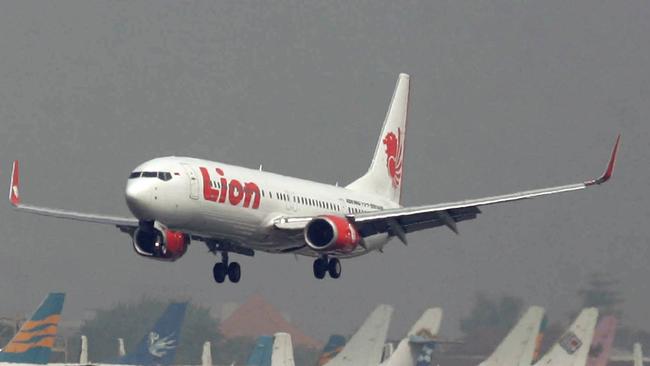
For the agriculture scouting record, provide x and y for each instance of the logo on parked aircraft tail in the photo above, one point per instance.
(158, 347)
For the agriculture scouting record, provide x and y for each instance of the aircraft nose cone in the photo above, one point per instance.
(138, 200)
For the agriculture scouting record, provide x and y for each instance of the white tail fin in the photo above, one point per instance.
(638, 355)
(206, 356)
(573, 346)
(282, 350)
(422, 334)
(121, 351)
(365, 346)
(518, 347)
(83, 356)
(384, 178)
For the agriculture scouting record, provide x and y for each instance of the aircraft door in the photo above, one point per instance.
(291, 202)
(194, 181)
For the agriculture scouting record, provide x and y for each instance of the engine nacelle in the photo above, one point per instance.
(157, 242)
(331, 234)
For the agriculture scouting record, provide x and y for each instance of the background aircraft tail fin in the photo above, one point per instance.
(282, 350)
(206, 356)
(332, 348)
(601, 344)
(365, 346)
(158, 347)
(573, 346)
(83, 355)
(417, 347)
(518, 347)
(262, 353)
(34, 341)
(386, 172)
(638, 355)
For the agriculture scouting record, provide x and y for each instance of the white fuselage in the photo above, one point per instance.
(231, 203)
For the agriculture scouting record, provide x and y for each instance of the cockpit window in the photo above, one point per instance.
(164, 176)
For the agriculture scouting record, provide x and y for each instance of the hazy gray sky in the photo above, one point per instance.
(506, 95)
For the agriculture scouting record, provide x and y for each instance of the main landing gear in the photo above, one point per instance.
(224, 269)
(325, 265)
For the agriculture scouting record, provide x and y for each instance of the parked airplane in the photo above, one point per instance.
(518, 347)
(282, 350)
(416, 348)
(262, 352)
(237, 210)
(365, 346)
(157, 347)
(638, 354)
(572, 348)
(34, 341)
(601, 345)
(332, 348)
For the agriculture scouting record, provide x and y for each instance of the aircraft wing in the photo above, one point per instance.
(123, 223)
(399, 221)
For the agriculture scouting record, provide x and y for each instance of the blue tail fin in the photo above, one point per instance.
(261, 355)
(158, 347)
(34, 341)
(334, 345)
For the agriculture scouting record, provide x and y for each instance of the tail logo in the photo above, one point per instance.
(570, 343)
(394, 156)
(158, 347)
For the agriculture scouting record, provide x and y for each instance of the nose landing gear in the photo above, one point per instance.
(323, 266)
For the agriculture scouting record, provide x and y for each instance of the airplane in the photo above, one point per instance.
(232, 209)
(366, 345)
(333, 347)
(206, 356)
(157, 347)
(572, 349)
(276, 350)
(638, 354)
(416, 348)
(601, 345)
(518, 347)
(34, 341)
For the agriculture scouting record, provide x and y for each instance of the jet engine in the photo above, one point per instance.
(331, 234)
(153, 240)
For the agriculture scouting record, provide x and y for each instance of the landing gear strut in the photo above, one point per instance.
(323, 266)
(224, 269)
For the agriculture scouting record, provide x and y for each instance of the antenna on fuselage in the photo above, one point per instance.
(260, 167)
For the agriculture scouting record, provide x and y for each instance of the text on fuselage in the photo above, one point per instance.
(233, 191)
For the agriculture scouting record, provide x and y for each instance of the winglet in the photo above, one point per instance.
(610, 166)
(14, 197)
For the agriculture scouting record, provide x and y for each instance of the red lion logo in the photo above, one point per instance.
(394, 156)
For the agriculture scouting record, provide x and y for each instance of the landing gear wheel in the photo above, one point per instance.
(334, 268)
(219, 272)
(320, 268)
(234, 272)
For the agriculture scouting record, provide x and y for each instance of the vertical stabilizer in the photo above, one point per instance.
(601, 344)
(365, 346)
(34, 341)
(386, 172)
(418, 345)
(121, 350)
(262, 353)
(83, 355)
(518, 347)
(333, 347)
(282, 350)
(206, 356)
(638, 355)
(158, 346)
(573, 346)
